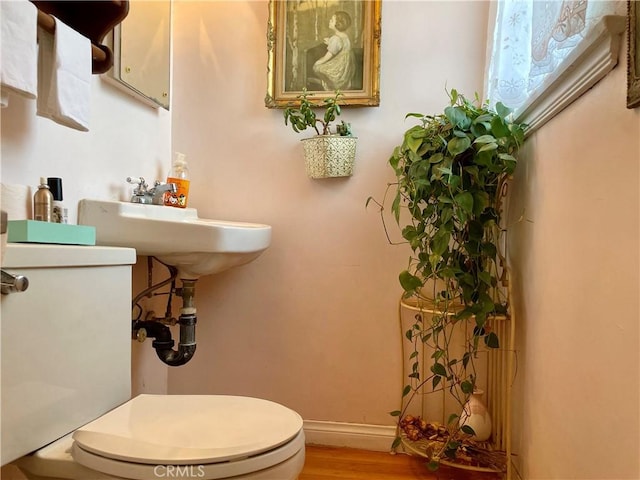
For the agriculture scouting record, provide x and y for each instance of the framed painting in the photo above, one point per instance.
(323, 46)
(633, 57)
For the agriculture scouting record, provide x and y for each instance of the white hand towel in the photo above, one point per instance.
(64, 77)
(18, 49)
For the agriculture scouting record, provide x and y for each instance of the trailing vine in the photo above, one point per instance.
(451, 171)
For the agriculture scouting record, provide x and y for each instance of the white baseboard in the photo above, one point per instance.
(353, 435)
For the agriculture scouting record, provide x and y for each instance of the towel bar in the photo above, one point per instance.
(47, 22)
(91, 19)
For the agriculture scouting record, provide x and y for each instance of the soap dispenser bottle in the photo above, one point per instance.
(43, 202)
(179, 175)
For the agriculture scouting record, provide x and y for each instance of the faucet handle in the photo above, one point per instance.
(136, 180)
(141, 184)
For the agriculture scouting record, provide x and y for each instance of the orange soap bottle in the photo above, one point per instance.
(179, 175)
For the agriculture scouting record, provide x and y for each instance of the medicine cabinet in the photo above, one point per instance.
(142, 52)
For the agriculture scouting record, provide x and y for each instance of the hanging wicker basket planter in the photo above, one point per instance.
(329, 155)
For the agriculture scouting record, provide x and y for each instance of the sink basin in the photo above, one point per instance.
(176, 236)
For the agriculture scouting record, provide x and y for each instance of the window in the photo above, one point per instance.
(545, 54)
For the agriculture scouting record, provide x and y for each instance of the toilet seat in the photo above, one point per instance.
(206, 436)
(282, 463)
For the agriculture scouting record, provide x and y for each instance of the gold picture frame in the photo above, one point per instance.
(301, 32)
(633, 56)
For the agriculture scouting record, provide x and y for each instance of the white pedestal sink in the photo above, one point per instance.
(176, 236)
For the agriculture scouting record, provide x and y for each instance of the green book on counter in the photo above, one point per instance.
(33, 231)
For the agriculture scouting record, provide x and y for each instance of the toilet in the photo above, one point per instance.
(66, 403)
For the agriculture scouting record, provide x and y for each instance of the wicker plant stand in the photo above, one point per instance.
(429, 410)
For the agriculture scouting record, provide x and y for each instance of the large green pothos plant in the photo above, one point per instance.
(451, 170)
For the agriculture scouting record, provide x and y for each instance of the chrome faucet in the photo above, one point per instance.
(154, 196)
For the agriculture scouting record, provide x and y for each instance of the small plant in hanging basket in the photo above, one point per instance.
(452, 171)
(327, 154)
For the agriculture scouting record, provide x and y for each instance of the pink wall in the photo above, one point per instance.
(313, 322)
(576, 283)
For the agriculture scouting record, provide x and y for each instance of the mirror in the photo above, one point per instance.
(142, 52)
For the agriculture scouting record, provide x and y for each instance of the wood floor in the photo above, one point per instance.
(330, 463)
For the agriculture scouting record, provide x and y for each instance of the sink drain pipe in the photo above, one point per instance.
(163, 342)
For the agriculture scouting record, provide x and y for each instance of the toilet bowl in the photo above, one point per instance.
(178, 437)
(65, 396)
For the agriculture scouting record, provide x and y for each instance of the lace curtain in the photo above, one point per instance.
(532, 40)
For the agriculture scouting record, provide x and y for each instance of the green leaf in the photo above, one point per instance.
(393, 161)
(446, 214)
(485, 277)
(454, 96)
(441, 171)
(452, 418)
(468, 430)
(491, 340)
(465, 359)
(439, 369)
(488, 147)
(457, 117)
(434, 260)
(489, 250)
(506, 157)
(406, 390)
(467, 387)
(436, 158)
(409, 232)
(440, 242)
(502, 110)
(395, 413)
(435, 381)
(424, 148)
(451, 449)
(454, 182)
(409, 282)
(480, 201)
(413, 355)
(499, 128)
(395, 206)
(433, 465)
(473, 170)
(413, 143)
(458, 145)
(465, 201)
(485, 139)
(396, 443)
(486, 303)
(453, 445)
(459, 133)
(438, 354)
(478, 129)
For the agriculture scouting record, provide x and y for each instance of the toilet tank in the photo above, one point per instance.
(65, 341)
